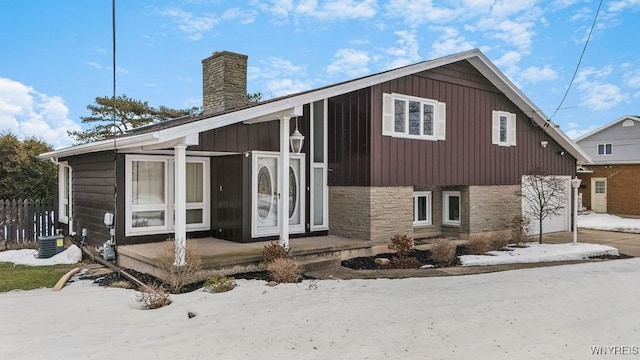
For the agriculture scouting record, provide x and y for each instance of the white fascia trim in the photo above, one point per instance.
(614, 162)
(101, 145)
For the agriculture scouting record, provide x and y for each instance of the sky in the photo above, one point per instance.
(56, 56)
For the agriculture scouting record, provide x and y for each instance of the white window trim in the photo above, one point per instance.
(445, 207)
(62, 201)
(511, 128)
(429, 212)
(388, 117)
(323, 165)
(604, 147)
(168, 206)
(293, 229)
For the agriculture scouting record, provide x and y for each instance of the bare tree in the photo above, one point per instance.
(545, 196)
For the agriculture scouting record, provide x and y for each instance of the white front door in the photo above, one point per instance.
(265, 195)
(599, 195)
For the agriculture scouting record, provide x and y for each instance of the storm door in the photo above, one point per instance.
(265, 194)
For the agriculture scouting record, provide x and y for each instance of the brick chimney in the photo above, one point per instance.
(224, 81)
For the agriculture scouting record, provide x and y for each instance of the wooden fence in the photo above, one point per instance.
(22, 221)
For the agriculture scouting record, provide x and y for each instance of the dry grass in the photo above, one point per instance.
(6, 245)
(219, 283)
(520, 229)
(479, 244)
(274, 251)
(404, 262)
(403, 245)
(179, 276)
(121, 284)
(154, 298)
(499, 241)
(284, 270)
(443, 252)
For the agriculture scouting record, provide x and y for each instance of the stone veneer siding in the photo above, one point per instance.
(224, 81)
(492, 208)
(374, 213)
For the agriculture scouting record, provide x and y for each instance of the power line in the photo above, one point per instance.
(593, 25)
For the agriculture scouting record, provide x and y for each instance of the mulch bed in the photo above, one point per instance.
(422, 258)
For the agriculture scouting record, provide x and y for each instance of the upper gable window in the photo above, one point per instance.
(503, 128)
(605, 149)
(413, 117)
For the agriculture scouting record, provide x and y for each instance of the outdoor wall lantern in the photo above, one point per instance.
(296, 140)
(575, 184)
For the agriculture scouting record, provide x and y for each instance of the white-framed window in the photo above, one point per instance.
(319, 164)
(422, 208)
(150, 207)
(605, 149)
(413, 117)
(451, 208)
(503, 128)
(65, 202)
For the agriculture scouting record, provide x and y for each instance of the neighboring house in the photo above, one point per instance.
(611, 182)
(438, 147)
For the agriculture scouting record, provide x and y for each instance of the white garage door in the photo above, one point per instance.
(551, 224)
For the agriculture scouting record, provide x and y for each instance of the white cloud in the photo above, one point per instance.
(535, 74)
(406, 50)
(575, 131)
(338, 9)
(450, 42)
(619, 6)
(194, 26)
(596, 92)
(281, 87)
(508, 59)
(632, 79)
(244, 16)
(27, 113)
(350, 62)
(418, 12)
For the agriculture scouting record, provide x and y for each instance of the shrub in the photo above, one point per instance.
(274, 251)
(443, 252)
(499, 241)
(478, 244)
(403, 245)
(219, 283)
(154, 298)
(284, 270)
(520, 229)
(179, 276)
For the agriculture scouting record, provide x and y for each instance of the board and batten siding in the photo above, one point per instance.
(93, 181)
(467, 156)
(349, 139)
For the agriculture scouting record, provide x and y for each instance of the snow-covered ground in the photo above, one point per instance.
(71, 255)
(609, 223)
(558, 312)
(534, 252)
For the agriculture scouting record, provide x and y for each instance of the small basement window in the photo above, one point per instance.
(451, 208)
(422, 208)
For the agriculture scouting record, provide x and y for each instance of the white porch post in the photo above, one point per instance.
(180, 196)
(283, 175)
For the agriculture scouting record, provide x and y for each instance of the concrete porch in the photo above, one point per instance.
(227, 257)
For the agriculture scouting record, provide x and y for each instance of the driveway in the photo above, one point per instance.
(626, 243)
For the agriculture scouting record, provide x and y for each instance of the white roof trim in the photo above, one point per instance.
(263, 111)
(606, 126)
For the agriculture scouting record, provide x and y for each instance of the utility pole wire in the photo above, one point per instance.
(579, 60)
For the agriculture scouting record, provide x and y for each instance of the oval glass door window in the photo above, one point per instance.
(293, 192)
(265, 193)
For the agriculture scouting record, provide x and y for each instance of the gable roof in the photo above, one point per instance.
(186, 130)
(606, 126)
